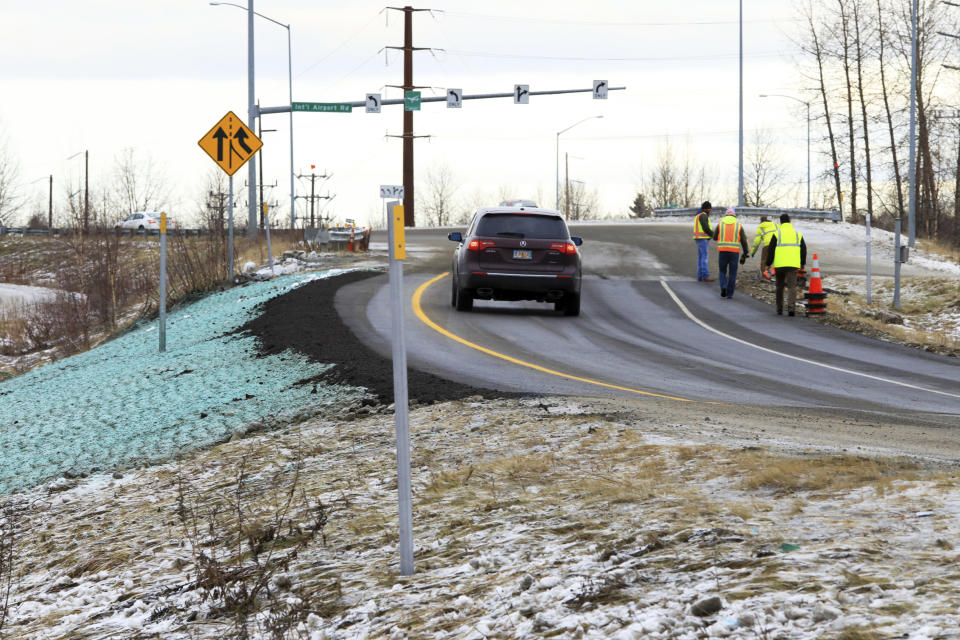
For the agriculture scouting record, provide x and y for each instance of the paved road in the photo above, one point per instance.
(647, 327)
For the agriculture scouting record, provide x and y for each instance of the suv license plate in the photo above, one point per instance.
(522, 254)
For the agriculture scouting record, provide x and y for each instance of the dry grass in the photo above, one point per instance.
(757, 470)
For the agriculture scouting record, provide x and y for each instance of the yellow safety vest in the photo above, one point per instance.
(728, 238)
(788, 247)
(765, 233)
(698, 232)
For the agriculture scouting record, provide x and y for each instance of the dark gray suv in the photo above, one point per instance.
(517, 253)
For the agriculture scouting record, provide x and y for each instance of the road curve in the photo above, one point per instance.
(647, 328)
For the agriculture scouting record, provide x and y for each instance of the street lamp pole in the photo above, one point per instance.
(290, 86)
(557, 200)
(807, 103)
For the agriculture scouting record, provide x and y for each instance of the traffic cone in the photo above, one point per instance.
(816, 298)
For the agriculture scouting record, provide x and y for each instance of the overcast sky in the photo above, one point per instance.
(155, 76)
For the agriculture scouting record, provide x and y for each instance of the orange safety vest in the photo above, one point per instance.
(698, 232)
(728, 238)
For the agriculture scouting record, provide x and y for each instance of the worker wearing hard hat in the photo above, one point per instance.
(731, 239)
(765, 232)
(701, 235)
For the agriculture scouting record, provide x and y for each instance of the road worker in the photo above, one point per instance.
(787, 255)
(765, 232)
(701, 235)
(731, 239)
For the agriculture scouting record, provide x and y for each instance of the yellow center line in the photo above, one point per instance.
(418, 309)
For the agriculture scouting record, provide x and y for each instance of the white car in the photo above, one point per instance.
(145, 220)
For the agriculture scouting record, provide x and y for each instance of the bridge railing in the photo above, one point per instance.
(772, 212)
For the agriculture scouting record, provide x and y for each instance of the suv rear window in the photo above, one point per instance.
(522, 226)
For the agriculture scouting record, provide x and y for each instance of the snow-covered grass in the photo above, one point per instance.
(532, 518)
(125, 403)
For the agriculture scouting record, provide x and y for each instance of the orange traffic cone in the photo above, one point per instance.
(816, 298)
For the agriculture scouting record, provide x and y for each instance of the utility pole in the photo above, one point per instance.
(313, 197)
(408, 49)
(50, 210)
(912, 211)
(566, 196)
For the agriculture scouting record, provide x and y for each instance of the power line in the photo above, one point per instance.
(482, 54)
(340, 46)
(588, 23)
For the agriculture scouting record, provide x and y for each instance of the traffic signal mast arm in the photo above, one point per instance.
(475, 96)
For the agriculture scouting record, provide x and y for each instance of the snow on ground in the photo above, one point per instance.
(18, 294)
(125, 403)
(532, 518)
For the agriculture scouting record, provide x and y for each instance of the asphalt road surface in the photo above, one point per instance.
(649, 330)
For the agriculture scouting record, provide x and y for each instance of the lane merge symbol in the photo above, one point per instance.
(230, 143)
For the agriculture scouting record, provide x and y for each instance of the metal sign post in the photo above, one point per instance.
(230, 225)
(398, 253)
(163, 282)
(868, 257)
(266, 225)
(896, 263)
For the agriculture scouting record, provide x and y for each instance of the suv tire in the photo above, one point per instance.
(571, 304)
(464, 300)
(453, 291)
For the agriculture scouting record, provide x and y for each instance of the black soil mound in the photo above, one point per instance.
(305, 320)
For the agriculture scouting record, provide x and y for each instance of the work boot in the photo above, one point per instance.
(791, 313)
(723, 293)
(779, 312)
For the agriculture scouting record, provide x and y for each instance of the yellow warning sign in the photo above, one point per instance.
(399, 234)
(230, 143)
(163, 223)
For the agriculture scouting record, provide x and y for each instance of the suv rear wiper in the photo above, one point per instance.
(511, 234)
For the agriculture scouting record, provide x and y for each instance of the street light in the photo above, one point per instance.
(290, 85)
(86, 187)
(557, 201)
(779, 95)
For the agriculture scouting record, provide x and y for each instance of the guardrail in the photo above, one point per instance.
(772, 212)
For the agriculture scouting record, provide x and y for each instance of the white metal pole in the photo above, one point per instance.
(163, 282)
(400, 402)
(808, 155)
(230, 227)
(740, 164)
(252, 123)
(266, 225)
(868, 257)
(912, 214)
(293, 211)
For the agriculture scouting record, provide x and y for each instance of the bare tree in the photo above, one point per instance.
(664, 178)
(438, 195)
(860, 28)
(139, 184)
(584, 201)
(764, 174)
(882, 36)
(815, 47)
(9, 175)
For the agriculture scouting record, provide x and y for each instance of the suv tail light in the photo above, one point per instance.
(477, 245)
(564, 247)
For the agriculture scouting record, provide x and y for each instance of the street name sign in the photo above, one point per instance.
(411, 101)
(230, 143)
(323, 107)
